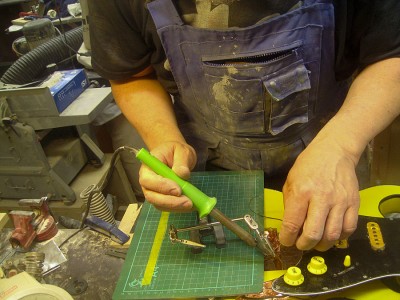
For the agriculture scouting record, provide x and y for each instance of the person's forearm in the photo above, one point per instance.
(148, 107)
(371, 105)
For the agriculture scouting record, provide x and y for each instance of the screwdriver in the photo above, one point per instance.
(204, 204)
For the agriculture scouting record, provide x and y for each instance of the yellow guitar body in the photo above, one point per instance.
(378, 201)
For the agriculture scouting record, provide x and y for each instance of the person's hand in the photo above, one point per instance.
(321, 197)
(162, 192)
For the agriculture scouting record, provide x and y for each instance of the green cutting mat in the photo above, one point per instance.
(177, 272)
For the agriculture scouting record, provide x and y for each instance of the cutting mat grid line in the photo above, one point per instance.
(235, 269)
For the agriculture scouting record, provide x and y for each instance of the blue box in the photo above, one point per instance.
(66, 86)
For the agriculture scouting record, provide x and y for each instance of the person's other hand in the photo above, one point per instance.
(321, 197)
(162, 192)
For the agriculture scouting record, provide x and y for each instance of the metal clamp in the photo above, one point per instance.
(173, 236)
(263, 243)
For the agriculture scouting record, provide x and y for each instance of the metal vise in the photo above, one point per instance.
(36, 224)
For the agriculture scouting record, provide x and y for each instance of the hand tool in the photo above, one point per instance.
(107, 228)
(261, 239)
(204, 204)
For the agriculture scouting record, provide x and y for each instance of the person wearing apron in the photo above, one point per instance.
(255, 97)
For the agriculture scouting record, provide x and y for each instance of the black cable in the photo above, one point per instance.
(71, 236)
(259, 214)
(106, 181)
(57, 9)
(68, 58)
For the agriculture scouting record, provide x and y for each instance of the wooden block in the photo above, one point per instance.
(3, 219)
(126, 224)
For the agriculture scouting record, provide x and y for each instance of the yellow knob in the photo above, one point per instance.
(317, 265)
(293, 276)
(347, 261)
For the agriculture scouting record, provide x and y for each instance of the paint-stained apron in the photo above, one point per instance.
(254, 97)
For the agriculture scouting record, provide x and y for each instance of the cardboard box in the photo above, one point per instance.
(66, 86)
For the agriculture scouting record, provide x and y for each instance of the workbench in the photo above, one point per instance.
(87, 263)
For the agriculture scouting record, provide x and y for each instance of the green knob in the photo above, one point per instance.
(201, 201)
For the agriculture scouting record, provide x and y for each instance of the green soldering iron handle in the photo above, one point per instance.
(201, 201)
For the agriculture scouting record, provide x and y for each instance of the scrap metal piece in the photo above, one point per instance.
(53, 257)
(121, 253)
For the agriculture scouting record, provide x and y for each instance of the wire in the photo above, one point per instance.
(66, 44)
(259, 214)
(66, 59)
(65, 39)
(62, 27)
(113, 163)
(103, 185)
(71, 236)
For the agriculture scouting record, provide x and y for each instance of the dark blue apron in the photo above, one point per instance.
(254, 97)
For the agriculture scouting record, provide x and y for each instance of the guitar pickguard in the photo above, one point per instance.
(374, 250)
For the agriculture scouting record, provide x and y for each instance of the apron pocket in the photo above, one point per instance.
(234, 95)
(288, 90)
(237, 105)
(238, 123)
